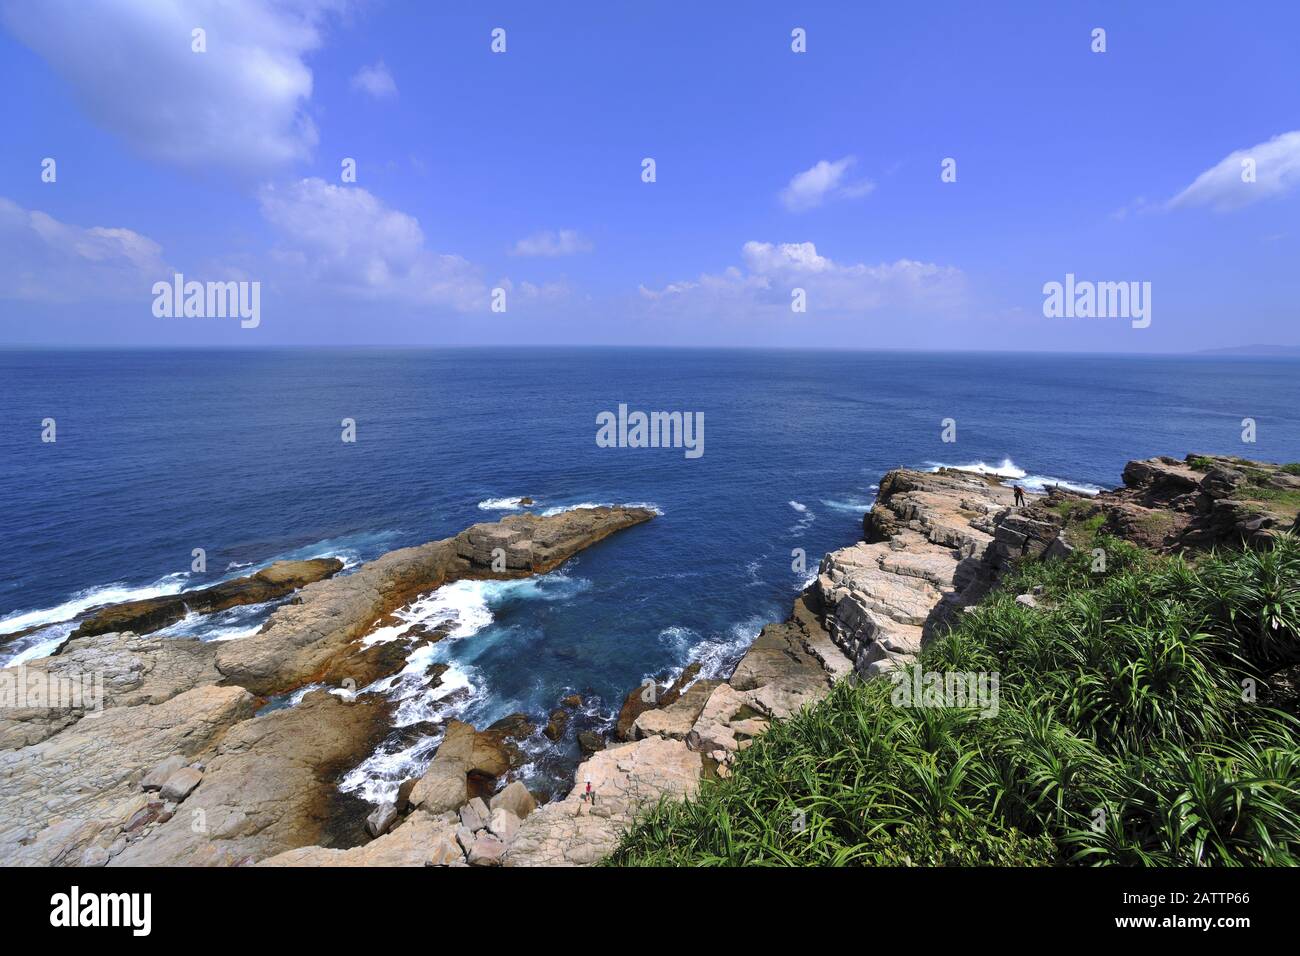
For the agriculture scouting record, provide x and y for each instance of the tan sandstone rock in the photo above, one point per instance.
(81, 786)
(626, 778)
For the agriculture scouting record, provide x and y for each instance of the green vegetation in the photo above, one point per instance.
(1083, 519)
(1123, 737)
(1281, 498)
(1199, 463)
(1292, 468)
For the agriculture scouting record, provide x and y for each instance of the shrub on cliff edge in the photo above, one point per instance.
(1123, 736)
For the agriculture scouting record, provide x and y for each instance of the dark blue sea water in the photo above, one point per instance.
(239, 453)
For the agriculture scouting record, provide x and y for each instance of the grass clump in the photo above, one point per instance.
(1122, 736)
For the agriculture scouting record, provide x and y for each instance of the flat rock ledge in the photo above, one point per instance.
(167, 758)
(150, 614)
(316, 634)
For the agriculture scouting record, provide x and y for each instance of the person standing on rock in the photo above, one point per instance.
(1020, 497)
(588, 797)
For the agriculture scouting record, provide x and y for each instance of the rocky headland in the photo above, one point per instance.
(933, 544)
(170, 757)
(185, 765)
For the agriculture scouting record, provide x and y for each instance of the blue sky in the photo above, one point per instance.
(775, 170)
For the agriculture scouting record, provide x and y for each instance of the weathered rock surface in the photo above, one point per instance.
(790, 663)
(463, 751)
(269, 786)
(125, 669)
(503, 825)
(159, 775)
(515, 798)
(1197, 502)
(626, 778)
(649, 696)
(150, 614)
(381, 819)
(487, 850)
(81, 787)
(419, 840)
(181, 784)
(934, 542)
(555, 725)
(226, 786)
(303, 640)
(677, 719)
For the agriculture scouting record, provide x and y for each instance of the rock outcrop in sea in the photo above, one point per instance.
(171, 762)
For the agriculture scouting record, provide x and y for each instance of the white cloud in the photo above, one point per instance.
(375, 80)
(45, 260)
(240, 105)
(345, 239)
(772, 271)
(566, 242)
(824, 181)
(1277, 172)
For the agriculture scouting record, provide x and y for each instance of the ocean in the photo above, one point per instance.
(239, 452)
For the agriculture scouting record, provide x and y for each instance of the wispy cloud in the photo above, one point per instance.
(239, 105)
(566, 242)
(346, 239)
(824, 181)
(45, 260)
(1276, 169)
(375, 80)
(772, 270)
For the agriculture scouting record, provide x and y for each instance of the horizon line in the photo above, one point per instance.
(1279, 351)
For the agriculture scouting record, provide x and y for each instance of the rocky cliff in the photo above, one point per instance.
(179, 768)
(934, 543)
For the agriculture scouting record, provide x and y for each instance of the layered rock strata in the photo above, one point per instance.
(305, 639)
(168, 762)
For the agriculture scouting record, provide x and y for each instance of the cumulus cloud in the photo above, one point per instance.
(824, 181)
(1276, 169)
(375, 80)
(344, 239)
(240, 105)
(45, 260)
(566, 242)
(771, 271)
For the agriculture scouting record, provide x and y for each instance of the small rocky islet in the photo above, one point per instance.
(186, 766)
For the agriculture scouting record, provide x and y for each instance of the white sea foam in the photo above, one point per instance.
(1016, 475)
(850, 506)
(501, 504)
(560, 509)
(352, 549)
(115, 593)
(41, 643)
(230, 625)
(1008, 468)
(1043, 482)
(467, 607)
(806, 517)
(678, 639)
(223, 626)
(717, 655)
